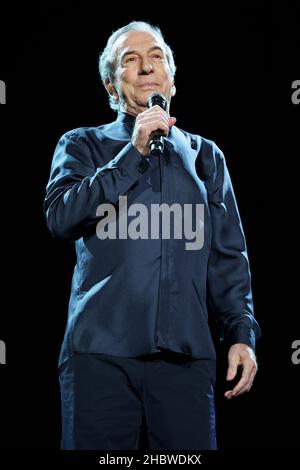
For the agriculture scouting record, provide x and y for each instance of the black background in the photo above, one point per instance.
(235, 67)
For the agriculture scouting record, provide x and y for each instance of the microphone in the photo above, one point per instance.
(156, 144)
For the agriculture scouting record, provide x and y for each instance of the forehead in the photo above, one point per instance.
(137, 40)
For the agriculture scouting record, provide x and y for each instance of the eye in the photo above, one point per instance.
(130, 59)
(157, 57)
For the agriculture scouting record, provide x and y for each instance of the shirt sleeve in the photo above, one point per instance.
(229, 277)
(77, 187)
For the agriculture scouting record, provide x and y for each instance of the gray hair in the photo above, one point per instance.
(106, 60)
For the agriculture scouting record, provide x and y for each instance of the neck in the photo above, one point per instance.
(133, 111)
(137, 110)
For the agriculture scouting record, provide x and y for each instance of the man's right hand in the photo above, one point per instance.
(149, 121)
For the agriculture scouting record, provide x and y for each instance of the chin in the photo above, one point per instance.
(143, 100)
(146, 94)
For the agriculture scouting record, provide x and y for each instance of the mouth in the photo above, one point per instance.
(149, 85)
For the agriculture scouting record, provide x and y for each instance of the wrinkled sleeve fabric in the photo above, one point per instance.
(77, 186)
(229, 277)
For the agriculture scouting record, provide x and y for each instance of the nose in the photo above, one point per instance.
(146, 66)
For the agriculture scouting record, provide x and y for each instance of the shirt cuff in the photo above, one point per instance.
(132, 162)
(241, 333)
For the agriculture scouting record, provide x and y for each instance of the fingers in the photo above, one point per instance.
(147, 122)
(245, 382)
(154, 119)
(241, 355)
(172, 121)
(239, 389)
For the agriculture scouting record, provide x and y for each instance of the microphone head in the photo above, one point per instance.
(157, 98)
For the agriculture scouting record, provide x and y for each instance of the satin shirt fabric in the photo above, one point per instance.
(130, 297)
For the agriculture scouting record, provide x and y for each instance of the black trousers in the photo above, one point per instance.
(106, 399)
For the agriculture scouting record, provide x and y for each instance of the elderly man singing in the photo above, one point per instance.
(137, 349)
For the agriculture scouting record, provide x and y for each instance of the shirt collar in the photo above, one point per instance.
(127, 119)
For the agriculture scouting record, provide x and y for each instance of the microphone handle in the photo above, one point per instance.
(156, 144)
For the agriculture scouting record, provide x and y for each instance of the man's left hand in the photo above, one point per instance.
(241, 355)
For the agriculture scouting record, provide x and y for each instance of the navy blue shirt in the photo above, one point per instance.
(131, 297)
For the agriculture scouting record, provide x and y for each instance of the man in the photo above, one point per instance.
(137, 346)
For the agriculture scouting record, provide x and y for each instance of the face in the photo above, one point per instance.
(141, 69)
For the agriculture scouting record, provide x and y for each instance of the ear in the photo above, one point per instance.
(111, 90)
(173, 90)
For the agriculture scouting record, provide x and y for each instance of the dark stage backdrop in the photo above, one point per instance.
(237, 85)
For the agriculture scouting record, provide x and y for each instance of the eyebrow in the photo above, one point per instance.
(136, 52)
